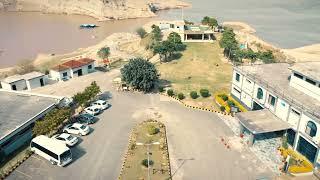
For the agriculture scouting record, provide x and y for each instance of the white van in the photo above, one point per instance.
(56, 152)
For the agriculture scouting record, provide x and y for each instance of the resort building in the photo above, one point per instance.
(190, 33)
(18, 112)
(24, 82)
(71, 69)
(284, 99)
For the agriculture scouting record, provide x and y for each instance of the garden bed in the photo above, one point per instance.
(136, 160)
(297, 163)
(225, 102)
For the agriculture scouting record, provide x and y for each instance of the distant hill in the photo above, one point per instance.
(100, 9)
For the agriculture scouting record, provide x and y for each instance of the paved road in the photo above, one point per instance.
(196, 151)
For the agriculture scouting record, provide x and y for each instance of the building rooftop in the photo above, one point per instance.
(73, 64)
(18, 77)
(275, 77)
(17, 108)
(310, 69)
(262, 121)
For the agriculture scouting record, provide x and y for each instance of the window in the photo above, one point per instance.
(260, 93)
(65, 74)
(238, 77)
(311, 129)
(310, 81)
(44, 150)
(295, 112)
(237, 90)
(90, 66)
(298, 75)
(272, 100)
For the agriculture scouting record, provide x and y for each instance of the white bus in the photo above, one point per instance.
(56, 152)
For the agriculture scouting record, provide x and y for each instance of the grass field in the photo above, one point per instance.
(200, 66)
(158, 154)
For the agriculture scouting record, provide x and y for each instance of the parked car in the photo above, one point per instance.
(84, 119)
(67, 139)
(77, 128)
(66, 102)
(101, 104)
(93, 110)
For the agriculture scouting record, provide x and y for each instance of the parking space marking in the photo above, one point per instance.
(24, 174)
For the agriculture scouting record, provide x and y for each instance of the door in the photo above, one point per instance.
(41, 82)
(14, 87)
(80, 72)
(307, 149)
(256, 106)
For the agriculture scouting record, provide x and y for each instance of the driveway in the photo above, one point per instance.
(194, 138)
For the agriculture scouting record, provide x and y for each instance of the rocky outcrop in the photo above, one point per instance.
(100, 9)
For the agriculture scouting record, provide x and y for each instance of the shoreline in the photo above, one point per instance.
(243, 32)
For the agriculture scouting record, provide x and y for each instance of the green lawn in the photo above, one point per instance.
(199, 67)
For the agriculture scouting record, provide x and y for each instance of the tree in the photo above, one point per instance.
(266, 57)
(210, 21)
(104, 53)
(89, 93)
(140, 74)
(156, 33)
(229, 43)
(141, 32)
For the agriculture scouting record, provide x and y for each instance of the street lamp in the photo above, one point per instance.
(148, 152)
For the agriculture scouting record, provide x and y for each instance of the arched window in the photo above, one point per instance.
(260, 93)
(311, 129)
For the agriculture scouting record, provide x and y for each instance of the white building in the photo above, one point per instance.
(283, 99)
(71, 69)
(189, 33)
(24, 82)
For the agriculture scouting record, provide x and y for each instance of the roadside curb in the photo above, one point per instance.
(15, 166)
(196, 107)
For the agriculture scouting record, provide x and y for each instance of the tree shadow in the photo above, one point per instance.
(183, 161)
(107, 95)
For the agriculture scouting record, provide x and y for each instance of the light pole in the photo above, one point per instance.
(148, 152)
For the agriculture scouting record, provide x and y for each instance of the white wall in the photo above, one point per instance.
(35, 82)
(246, 99)
(59, 75)
(303, 124)
(248, 86)
(293, 118)
(6, 86)
(282, 109)
(235, 82)
(305, 87)
(263, 100)
(235, 92)
(21, 85)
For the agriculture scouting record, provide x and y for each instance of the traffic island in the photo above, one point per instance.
(147, 156)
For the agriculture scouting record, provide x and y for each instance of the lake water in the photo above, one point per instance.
(285, 23)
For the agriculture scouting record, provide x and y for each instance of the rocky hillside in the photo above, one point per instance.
(100, 9)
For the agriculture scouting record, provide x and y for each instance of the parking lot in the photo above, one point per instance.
(196, 151)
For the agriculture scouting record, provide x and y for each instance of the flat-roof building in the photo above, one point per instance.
(283, 98)
(24, 82)
(18, 112)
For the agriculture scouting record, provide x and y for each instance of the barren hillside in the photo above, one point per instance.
(100, 9)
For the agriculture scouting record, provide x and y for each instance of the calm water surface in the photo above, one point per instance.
(285, 23)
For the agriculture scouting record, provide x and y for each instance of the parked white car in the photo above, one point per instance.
(93, 110)
(101, 104)
(77, 128)
(67, 139)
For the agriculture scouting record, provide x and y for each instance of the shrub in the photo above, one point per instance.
(141, 32)
(193, 94)
(222, 108)
(204, 93)
(161, 89)
(230, 103)
(224, 97)
(152, 130)
(285, 142)
(181, 96)
(145, 162)
(170, 92)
